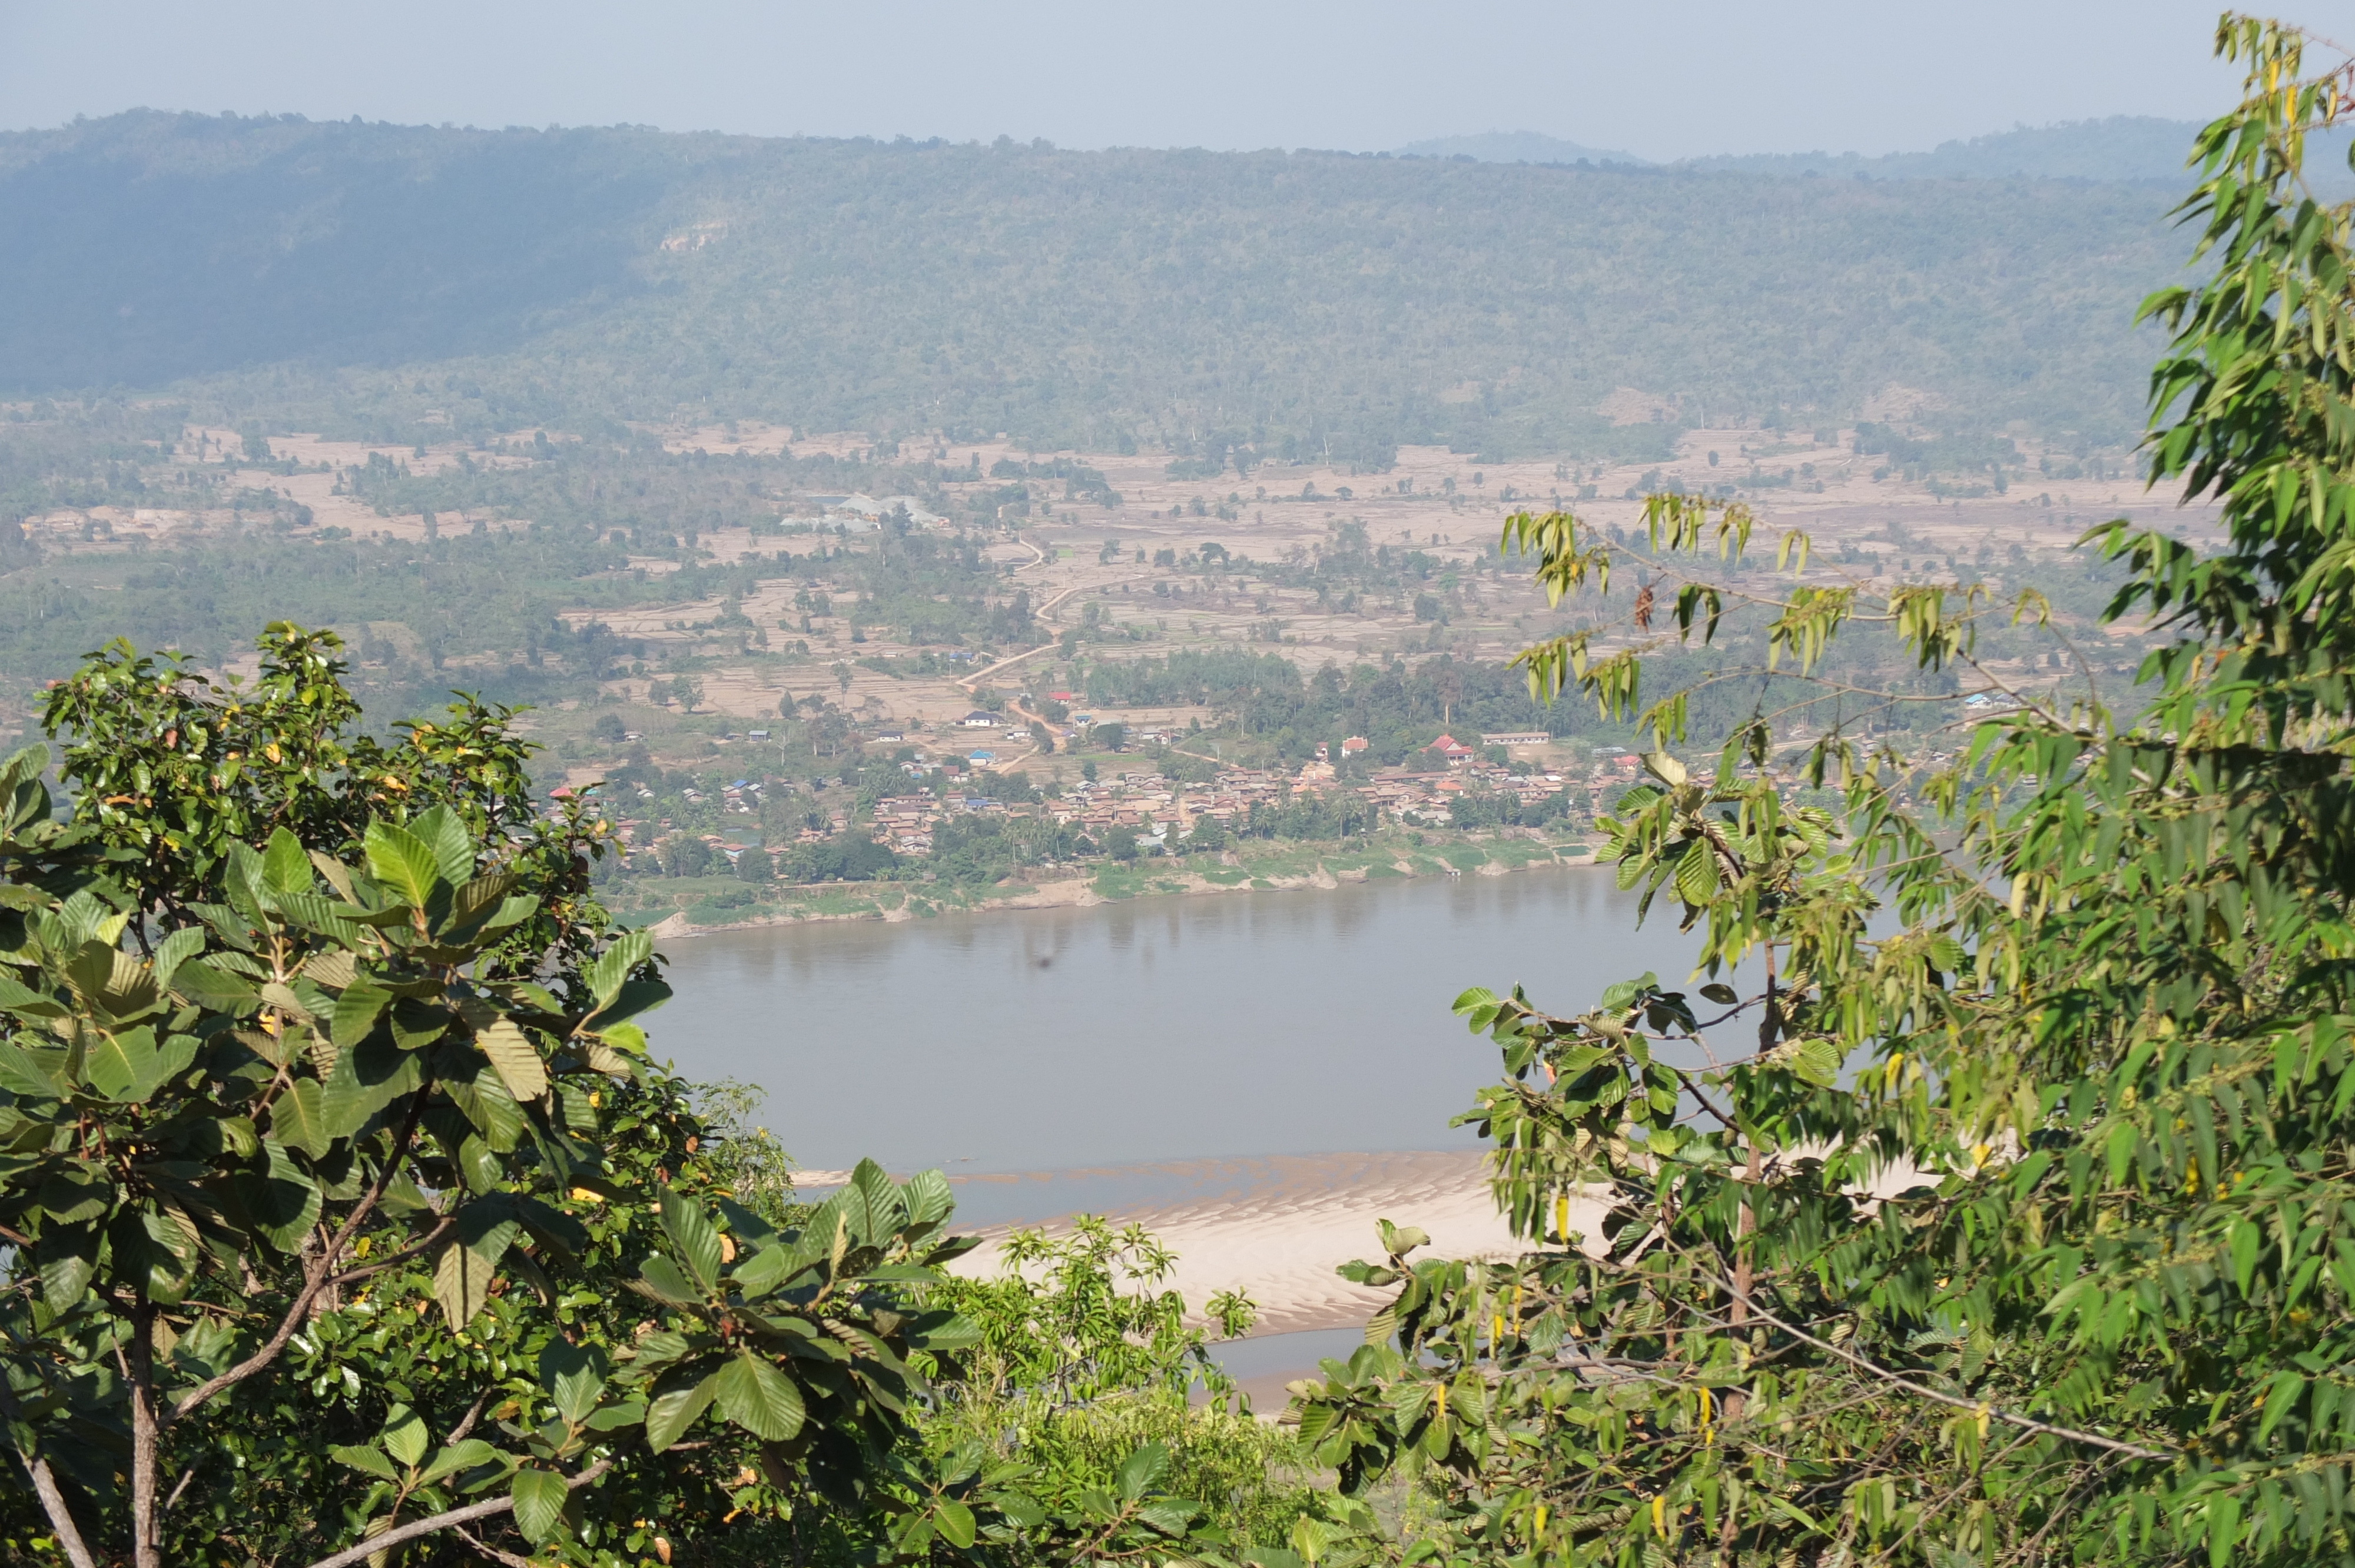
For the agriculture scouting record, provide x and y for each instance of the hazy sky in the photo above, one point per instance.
(1663, 79)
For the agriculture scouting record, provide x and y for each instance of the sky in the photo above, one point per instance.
(1662, 78)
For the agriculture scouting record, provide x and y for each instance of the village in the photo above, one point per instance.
(1505, 777)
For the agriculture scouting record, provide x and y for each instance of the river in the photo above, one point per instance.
(1106, 1038)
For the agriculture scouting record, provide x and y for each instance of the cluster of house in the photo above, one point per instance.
(1420, 797)
(742, 797)
(1154, 806)
(862, 513)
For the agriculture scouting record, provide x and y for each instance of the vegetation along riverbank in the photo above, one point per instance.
(1395, 855)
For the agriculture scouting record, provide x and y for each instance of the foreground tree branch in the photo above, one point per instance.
(490, 1508)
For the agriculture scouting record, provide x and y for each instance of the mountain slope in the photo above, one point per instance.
(366, 278)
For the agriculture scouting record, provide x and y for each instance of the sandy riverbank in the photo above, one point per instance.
(1280, 1240)
(1278, 1227)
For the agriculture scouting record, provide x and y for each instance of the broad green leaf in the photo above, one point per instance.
(113, 983)
(1170, 1516)
(1819, 1061)
(488, 1227)
(762, 1272)
(552, 1227)
(954, 1521)
(402, 861)
(481, 897)
(636, 997)
(444, 832)
(417, 1024)
(29, 1073)
(2247, 1244)
(614, 965)
(205, 983)
(489, 1107)
(284, 867)
(460, 1456)
(367, 1078)
(515, 1057)
(462, 1283)
(365, 1458)
(692, 1237)
(69, 1260)
(574, 1377)
(669, 1414)
(2223, 1529)
(610, 1052)
(326, 916)
(25, 1001)
(404, 1436)
(538, 1504)
(279, 1205)
(930, 1197)
(298, 1117)
(175, 950)
(123, 1064)
(153, 1252)
(662, 1280)
(339, 874)
(756, 1396)
(1143, 1470)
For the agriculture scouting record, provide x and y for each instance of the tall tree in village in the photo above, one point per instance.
(1990, 1203)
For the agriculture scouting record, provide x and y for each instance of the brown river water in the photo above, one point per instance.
(1143, 1052)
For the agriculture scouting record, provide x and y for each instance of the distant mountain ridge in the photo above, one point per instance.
(2136, 149)
(2129, 149)
(1517, 147)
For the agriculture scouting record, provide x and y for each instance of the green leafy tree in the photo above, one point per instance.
(257, 1098)
(1085, 1360)
(2013, 1229)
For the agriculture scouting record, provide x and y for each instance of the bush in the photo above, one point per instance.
(843, 859)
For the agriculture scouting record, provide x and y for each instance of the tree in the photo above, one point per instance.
(840, 858)
(298, 1029)
(2020, 1233)
(684, 854)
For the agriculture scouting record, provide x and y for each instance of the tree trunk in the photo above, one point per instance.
(147, 1440)
(45, 1487)
(1746, 1224)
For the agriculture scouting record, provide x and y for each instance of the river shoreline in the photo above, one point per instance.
(1281, 871)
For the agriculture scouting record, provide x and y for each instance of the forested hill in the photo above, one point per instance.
(364, 277)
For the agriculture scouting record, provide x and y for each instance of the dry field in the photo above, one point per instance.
(1440, 503)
